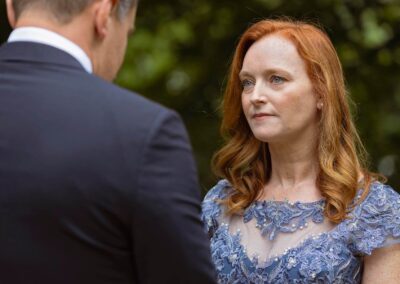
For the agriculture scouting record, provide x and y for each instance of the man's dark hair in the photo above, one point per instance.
(65, 10)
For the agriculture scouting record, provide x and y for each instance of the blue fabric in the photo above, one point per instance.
(331, 257)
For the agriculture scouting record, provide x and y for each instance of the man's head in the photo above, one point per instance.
(65, 10)
(99, 27)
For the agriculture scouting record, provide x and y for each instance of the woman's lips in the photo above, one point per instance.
(259, 116)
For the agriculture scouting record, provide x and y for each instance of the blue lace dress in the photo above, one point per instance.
(282, 242)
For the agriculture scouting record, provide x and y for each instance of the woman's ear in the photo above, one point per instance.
(103, 12)
(11, 13)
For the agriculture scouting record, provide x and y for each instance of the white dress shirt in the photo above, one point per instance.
(43, 36)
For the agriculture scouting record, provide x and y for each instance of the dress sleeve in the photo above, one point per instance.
(211, 208)
(375, 223)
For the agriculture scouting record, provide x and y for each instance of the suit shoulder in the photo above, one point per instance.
(129, 109)
(121, 95)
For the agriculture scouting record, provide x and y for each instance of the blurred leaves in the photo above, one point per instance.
(374, 34)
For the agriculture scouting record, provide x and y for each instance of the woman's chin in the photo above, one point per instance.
(267, 137)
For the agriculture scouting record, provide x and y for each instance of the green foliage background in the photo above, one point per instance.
(181, 50)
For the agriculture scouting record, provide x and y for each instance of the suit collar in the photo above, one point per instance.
(37, 53)
(45, 36)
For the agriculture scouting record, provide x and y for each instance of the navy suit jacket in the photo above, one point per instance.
(97, 184)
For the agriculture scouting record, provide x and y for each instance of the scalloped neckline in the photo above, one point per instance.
(294, 203)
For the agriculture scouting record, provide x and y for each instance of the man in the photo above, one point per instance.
(97, 184)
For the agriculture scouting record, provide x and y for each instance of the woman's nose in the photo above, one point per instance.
(258, 96)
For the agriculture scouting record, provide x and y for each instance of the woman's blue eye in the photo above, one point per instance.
(246, 84)
(277, 79)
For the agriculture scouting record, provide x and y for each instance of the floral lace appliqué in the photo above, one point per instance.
(330, 257)
(275, 216)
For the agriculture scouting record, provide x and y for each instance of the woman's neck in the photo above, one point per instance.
(293, 164)
(294, 170)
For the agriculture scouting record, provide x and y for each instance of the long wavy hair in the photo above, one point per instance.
(245, 161)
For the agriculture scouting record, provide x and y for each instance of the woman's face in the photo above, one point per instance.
(277, 96)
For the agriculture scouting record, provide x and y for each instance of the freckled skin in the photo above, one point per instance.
(275, 82)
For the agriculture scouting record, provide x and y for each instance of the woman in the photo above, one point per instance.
(296, 203)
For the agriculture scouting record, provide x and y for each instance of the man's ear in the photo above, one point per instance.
(103, 14)
(11, 13)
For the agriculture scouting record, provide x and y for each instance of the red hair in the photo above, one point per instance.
(245, 161)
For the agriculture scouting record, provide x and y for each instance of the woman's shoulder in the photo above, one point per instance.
(211, 206)
(380, 204)
(374, 221)
(380, 196)
(218, 191)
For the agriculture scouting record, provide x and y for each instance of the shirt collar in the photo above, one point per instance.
(43, 36)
